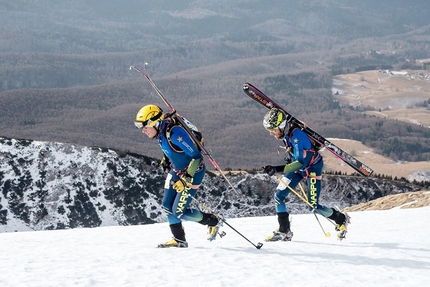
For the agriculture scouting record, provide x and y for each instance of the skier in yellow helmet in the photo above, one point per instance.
(185, 169)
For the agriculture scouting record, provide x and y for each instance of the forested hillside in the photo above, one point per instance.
(65, 73)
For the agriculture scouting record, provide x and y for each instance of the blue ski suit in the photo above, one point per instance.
(309, 167)
(179, 148)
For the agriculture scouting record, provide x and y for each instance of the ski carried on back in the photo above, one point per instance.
(186, 125)
(319, 141)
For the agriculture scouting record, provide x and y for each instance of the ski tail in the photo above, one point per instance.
(319, 141)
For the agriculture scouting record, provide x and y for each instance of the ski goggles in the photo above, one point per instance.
(147, 123)
(141, 125)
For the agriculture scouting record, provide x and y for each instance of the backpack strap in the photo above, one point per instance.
(172, 122)
(316, 157)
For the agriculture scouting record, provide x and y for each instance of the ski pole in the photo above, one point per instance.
(301, 197)
(303, 191)
(326, 233)
(258, 245)
(185, 126)
(293, 190)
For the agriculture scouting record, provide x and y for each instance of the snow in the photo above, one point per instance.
(383, 248)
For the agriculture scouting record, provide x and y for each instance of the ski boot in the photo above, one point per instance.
(342, 229)
(178, 239)
(214, 223)
(174, 243)
(280, 236)
(284, 225)
(342, 220)
(213, 231)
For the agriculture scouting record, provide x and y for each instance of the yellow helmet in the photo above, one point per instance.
(149, 115)
(275, 118)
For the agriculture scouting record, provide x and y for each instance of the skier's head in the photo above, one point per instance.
(148, 119)
(275, 122)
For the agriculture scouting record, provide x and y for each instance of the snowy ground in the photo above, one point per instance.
(383, 248)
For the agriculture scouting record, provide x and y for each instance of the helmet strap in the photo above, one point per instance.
(282, 132)
(157, 116)
(157, 127)
(170, 115)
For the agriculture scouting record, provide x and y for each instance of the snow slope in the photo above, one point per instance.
(383, 248)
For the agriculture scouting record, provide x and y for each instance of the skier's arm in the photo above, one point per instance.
(298, 138)
(181, 138)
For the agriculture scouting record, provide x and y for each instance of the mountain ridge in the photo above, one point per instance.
(48, 185)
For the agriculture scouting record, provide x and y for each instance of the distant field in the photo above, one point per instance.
(394, 94)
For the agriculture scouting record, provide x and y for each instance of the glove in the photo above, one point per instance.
(184, 183)
(270, 170)
(293, 166)
(165, 164)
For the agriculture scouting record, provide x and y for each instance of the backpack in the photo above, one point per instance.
(194, 130)
(174, 122)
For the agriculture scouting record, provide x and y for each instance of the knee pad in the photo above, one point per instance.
(283, 184)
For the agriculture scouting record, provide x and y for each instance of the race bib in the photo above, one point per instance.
(283, 183)
(167, 182)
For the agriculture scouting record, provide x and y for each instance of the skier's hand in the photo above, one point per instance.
(270, 170)
(184, 183)
(165, 164)
(288, 155)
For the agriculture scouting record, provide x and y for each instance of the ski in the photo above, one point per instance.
(200, 145)
(319, 141)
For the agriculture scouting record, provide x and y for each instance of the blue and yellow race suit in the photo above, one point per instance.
(181, 151)
(306, 163)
